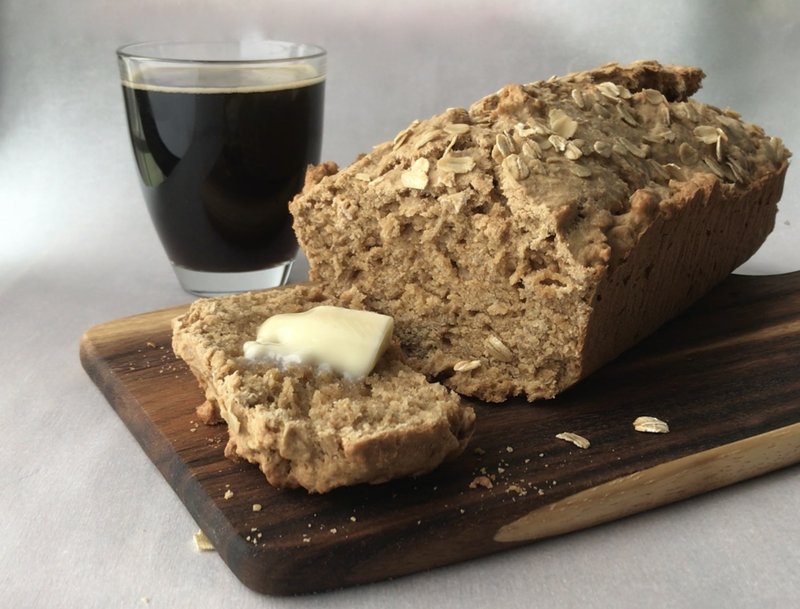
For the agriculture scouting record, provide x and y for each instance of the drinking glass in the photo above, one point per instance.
(222, 135)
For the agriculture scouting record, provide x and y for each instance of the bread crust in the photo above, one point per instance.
(660, 277)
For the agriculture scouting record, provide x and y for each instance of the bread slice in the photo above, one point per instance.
(309, 428)
(525, 241)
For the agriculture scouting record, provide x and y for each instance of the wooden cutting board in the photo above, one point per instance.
(725, 376)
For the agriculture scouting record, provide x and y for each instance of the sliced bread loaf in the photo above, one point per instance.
(523, 242)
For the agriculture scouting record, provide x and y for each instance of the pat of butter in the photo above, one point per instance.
(348, 341)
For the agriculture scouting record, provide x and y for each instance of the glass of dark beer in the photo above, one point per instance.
(222, 135)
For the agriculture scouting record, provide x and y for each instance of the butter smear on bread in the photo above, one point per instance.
(347, 341)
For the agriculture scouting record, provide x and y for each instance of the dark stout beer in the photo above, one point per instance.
(218, 166)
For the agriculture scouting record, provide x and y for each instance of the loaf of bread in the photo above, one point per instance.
(523, 242)
(309, 427)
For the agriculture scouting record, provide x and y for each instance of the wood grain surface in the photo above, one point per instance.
(725, 376)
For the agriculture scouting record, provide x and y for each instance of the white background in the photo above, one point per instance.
(87, 521)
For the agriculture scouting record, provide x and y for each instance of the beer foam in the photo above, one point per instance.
(224, 79)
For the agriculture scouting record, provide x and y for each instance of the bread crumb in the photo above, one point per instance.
(481, 481)
(256, 507)
(228, 494)
(202, 543)
(515, 488)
